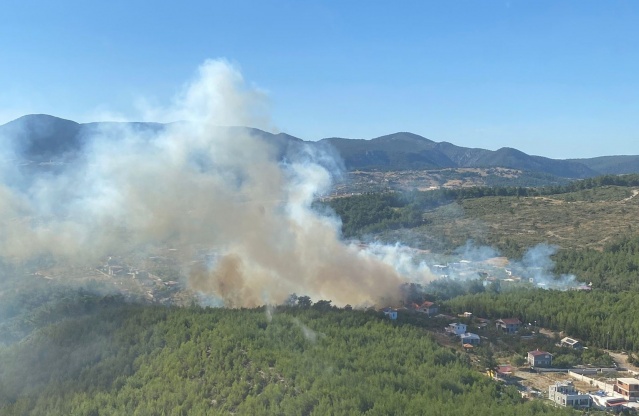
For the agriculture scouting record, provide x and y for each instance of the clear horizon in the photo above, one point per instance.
(550, 78)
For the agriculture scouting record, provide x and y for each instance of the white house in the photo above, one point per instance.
(565, 394)
(456, 328)
(571, 343)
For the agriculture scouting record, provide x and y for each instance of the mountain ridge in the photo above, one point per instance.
(42, 137)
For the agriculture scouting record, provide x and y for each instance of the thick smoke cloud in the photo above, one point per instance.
(196, 186)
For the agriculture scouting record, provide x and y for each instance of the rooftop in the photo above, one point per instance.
(536, 353)
(504, 369)
(510, 321)
(628, 380)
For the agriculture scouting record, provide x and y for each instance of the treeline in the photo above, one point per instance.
(150, 360)
(35, 303)
(376, 212)
(616, 268)
(600, 318)
(575, 186)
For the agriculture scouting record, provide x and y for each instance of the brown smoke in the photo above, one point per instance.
(200, 185)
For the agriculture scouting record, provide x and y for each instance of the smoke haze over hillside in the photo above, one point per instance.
(197, 185)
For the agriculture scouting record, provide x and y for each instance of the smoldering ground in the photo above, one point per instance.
(198, 183)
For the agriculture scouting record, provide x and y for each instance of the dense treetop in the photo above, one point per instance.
(116, 358)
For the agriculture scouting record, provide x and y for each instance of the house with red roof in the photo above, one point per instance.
(538, 358)
(429, 308)
(508, 325)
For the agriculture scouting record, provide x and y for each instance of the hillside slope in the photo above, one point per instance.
(107, 357)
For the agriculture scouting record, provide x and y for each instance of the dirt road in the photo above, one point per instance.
(622, 361)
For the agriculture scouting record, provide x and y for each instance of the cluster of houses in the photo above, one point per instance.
(114, 267)
(427, 308)
(468, 339)
(625, 396)
(146, 281)
(538, 358)
(625, 391)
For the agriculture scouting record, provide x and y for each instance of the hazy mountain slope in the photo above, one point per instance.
(462, 156)
(403, 151)
(614, 165)
(41, 138)
(397, 151)
(513, 158)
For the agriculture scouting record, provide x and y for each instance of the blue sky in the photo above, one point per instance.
(553, 78)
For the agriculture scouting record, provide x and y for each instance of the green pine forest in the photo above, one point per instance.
(91, 355)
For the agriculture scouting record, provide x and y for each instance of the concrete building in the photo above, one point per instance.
(564, 394)
(470, 338)
(608, 403)
(571, 343)
(456, 328)
(539, 358)
(628, 388)
(508, 325)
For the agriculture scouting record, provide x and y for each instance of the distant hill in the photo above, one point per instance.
(614, 165)
(401, 151)
(40, 138)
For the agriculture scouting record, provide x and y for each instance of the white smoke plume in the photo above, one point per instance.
(537, 264)
(198, 185)
(477, 253)
(458, 274)
(308, 333)
(405, 260)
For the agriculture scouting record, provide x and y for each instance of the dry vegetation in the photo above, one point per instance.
(588, 218)
(541, 381)
(423, 180)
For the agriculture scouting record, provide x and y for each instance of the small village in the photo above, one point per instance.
(521, 354)
(495, 347)
(153, 279)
